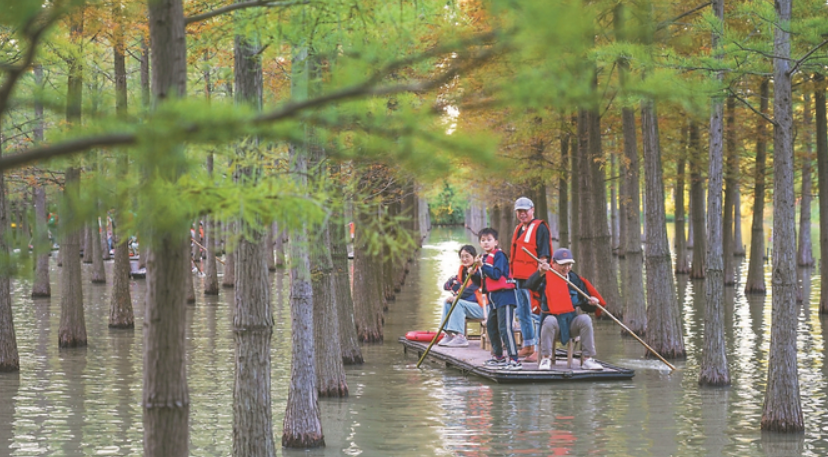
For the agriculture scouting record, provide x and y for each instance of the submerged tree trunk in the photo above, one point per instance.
(72, 322)
(714, 371)
(121, 314)
(367, 292)
(782, 410)
(211, 285)
(166, 398)
(822, 170)
(663, 315)
(41, 286)
(9, 355)
(635, 312)
(755, 283)
(228, 281)
(697, 267)
(804, 253)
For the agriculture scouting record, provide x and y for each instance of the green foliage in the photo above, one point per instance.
(448, 206)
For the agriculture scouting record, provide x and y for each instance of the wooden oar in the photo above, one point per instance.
(202, 247)
(437, 335)
(607, 312)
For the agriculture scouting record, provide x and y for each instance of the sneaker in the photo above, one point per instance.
(512, 365)
(590, 364)
(446, 340)
(458, 341)
(545, 364)
(496, 363)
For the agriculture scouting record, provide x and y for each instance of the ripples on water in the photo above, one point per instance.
(87, 401)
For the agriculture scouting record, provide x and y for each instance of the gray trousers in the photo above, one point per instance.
(580, 326)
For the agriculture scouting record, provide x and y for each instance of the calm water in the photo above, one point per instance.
(87, 401)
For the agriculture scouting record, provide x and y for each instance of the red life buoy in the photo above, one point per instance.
(423, 336)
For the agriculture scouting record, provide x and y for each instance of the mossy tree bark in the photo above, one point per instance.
(782, 410)
(755, 283)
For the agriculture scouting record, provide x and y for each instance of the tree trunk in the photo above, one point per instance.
(271, 261)
(663, 315)
(189, 286)
(738, 243)
(281, 239)
(302, 426)
(211, 285)
(121, 314)
(804, 254)
(166, 399)
(822, 170)
(228, 281)
(697, 268)
(635, 311)
(782, 411)
(9, 356)
(348, 340)
(330, 373)
(367, 292)
(714, 371)
(755, 283)
(563, 196)
(41, 286)
(732, 182)
(87, 244)
(72, 331)
(596, 241)
(614, 224)
(98, 270)
(682, 263)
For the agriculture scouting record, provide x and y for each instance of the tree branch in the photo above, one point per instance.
(805, 57)
(69, 147)
(237, 6)
(665, 24)
(747, 103)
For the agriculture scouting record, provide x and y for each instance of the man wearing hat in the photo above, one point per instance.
(532, 234)
(564, 310)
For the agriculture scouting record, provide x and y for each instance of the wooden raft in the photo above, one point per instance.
(469, 360)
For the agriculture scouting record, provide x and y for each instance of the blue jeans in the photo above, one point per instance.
(457, 320)
(499, 327)
(524, 315)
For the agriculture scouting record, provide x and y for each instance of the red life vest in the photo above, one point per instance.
(558, 300)
(503, 283)
(478, 294)
(522, 265)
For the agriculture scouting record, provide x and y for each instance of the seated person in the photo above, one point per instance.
(471, 304)
(563, 309)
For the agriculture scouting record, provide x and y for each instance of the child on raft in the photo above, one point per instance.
(500, 287)
(471, 303)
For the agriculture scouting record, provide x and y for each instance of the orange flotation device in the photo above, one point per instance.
(422, 336)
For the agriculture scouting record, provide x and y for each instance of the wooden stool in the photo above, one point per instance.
(485, 343)
(474, 336)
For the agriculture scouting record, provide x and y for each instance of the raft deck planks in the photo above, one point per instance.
(470, 360)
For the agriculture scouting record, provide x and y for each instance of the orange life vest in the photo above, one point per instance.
(478, 294)
(558, 298)
(521, 264)
(502, 283)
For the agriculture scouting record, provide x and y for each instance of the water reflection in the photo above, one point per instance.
(87, 401)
